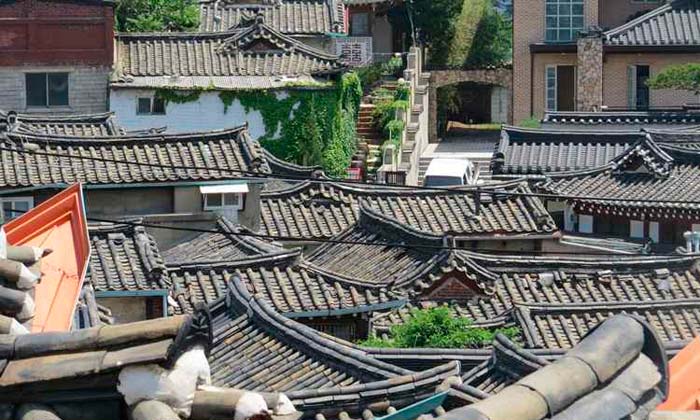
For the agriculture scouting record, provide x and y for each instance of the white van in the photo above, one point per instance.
(449, 173)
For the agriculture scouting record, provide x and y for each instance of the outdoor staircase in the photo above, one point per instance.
(369, 139)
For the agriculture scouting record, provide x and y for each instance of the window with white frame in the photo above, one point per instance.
(221, 201)
(563, 20)
(551, 88)
(46, 89)
(150, 106)
(13, 207)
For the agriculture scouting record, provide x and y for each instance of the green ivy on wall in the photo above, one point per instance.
(307, 126)
(179, 96)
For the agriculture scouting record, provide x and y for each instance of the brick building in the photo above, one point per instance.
(589, 54)
(56, 56)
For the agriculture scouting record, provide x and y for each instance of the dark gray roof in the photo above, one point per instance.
(258, 349)
(663, 173)
(618, 372)
(676, 23)
(322, 210)
(623, 120)
(125, 257)
(534, 151)
(74, 125)
(228, 245)
(257, 56)
(290, 17)
(32, 160)
(290, 286)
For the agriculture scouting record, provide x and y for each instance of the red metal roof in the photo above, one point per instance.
(59, 224)
(684, 384)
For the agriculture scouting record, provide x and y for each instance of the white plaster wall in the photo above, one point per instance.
(207, 113)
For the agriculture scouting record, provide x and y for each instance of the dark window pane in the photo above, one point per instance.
(36, 89)
(213, 200)
(158, 106)
(58, 89)
(144, 106)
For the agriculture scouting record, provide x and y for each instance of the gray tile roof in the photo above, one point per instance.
(529, 151)
(676, 23)
(322, 210)
(39, 160)
(286, 283)
(84, 125)
(673, 174)
(256, 56)
(618, 372)
(228, 245)
(257, 349)
(290, 17)
(124, 257)
(627, 120)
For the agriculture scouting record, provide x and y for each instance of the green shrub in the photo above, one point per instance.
(439, 328)
(531, 122)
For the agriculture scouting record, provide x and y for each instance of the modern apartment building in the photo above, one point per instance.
(588, 55)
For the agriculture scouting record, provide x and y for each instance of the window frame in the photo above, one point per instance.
(558, 28)
(237, 206)
(152, 100)
(47, 99)
(367, 32)
(14, 200)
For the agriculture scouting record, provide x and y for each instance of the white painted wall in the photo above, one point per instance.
(207, 113)
(499, 104)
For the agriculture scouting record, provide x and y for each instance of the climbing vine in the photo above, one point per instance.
(307, 126)
(179, 96)
(386, 115)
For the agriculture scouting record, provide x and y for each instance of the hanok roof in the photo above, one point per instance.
(57, 224)
(321, 210)
(290, 17)
(620, 120)
(648, 175)
(230, 244)
(257, 56)
(86, 125)
(674, 24)
(125, 257)
(618, 372)
(257, 349)
(532, 151)
(290, 286)
(213, 156)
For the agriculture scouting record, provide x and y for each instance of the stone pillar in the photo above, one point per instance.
(432, 116)
(589, 84)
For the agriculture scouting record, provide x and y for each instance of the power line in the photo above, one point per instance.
(485, 189)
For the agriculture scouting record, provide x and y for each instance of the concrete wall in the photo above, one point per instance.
(126, 309)
(207, 113)
(87, 88)
(129, 201)
(615, 79)
(614, 13)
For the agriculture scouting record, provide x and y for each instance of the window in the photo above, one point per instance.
(21, 204)
(637, 89)
(150, 106)
(560, 88)
(564, 20)
(359, 24)
(46, 89)
(219, 201)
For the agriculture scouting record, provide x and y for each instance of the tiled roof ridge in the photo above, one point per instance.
(653, 157)
(329, 184)
(287, 257)
(289, 167)
(584, 118)
(257, 30)
(503, 348)
(140, 137)
(599, 260)
(528, 307)
(249, 241)
(667, 6)
(604, 134)
(300, 336)
(369, 218)
(176, 35)
(90, 117)
(388, 392)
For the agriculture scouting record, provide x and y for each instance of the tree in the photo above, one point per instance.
(437, 328)
(680, 76)
(493, 42)
(436, 21)
(156, 15)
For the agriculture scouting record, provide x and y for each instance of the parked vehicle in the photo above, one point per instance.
(449, 173)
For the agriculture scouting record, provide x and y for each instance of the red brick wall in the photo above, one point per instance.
(452, 286)
(56, 32)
